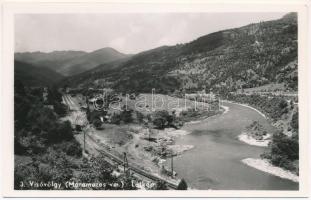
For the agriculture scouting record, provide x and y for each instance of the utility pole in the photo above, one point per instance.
(172, 165)
(147, 126)
(152, 99)
(84, 141)
(172, 162)
(84, 136)
(125, 163)
(148, 135)
(84, 133)
(219, 103)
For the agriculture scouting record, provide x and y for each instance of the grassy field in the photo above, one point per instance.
(148, 103)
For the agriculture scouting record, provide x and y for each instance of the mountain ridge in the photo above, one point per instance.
(70, 62)
(248, 56)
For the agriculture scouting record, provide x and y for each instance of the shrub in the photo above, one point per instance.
(71, 148)
(283, 151)
(60, 109)
(161, 119)
(159, 122)
(97, 123)
(160, 185)
(140, 117)
(19, 149)
(64, 132)
(295, 121)
(126, 116)
(115, 118)
(182, 185)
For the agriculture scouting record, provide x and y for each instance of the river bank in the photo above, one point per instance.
(251, 137)
(248, 139)
(144, 147)
(255, 134)
(170, 134)
(215, 161)
(265, 166)
(223, 110)
(247, 106)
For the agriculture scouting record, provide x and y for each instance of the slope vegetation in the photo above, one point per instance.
(70, 62)
(245, 57)
(35, 76)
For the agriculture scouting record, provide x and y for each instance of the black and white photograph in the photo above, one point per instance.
(147, 101)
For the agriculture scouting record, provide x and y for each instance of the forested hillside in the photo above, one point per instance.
(54, 60)
(35, 76)
(250, 56)
(45, 149)
(70, 62)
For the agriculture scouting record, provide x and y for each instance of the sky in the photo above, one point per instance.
(125, 32)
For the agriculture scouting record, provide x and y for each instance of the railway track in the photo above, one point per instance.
(116, 159)
(137, 170)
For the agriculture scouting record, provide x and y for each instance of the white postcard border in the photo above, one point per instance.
(7, 98)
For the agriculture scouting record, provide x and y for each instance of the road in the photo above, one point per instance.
(94, 145)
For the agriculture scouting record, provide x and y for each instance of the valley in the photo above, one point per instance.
(146, 148)
(217, 113)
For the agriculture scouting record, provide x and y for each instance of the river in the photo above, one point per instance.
(215, 161)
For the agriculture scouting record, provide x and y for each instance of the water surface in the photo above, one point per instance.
(215, 162)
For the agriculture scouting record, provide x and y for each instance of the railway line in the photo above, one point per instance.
(68, 100)
(137, 170)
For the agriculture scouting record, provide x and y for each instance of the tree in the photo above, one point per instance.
(160, 185)
(19, 87)
(19, 149)
(282, 104)
(65, 131)
(285, 146)
(97, 123)
(159, 122)
(140, 117)
(295, 121)
(71, 148)
(182, 185)
(115, 118)
(127, 182)
(283, 150)
(126, 116)
(54, 96)
(161, 119)
(60, 109)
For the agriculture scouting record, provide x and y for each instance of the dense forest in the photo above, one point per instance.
(46, 150)
(35, 76)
